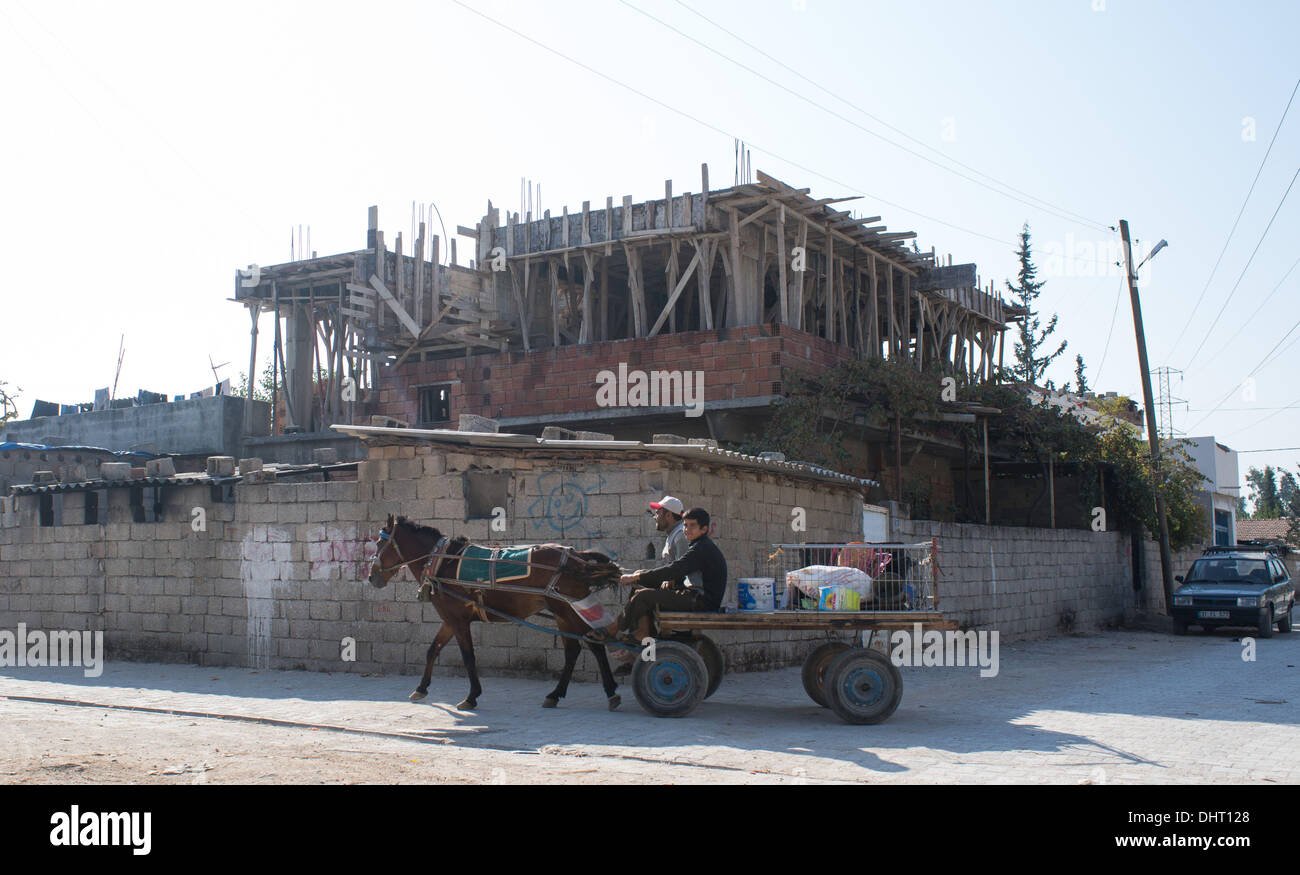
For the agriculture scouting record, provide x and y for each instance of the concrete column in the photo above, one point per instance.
(300, 338)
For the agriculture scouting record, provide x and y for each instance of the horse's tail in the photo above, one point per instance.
(596, 569)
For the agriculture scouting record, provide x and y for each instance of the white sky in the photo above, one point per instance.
(150, 150)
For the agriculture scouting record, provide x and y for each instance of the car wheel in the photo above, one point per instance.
(1180, 626)
(1265, 629)
(1284, 624)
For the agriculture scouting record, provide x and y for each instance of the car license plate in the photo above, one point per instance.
(1212, 615)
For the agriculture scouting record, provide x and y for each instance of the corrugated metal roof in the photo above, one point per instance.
(490, 440)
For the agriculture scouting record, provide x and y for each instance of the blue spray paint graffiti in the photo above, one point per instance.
(562, 504)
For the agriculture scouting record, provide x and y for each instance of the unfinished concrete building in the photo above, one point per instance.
(738, 283)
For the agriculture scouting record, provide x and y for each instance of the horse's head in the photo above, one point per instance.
(401, 543)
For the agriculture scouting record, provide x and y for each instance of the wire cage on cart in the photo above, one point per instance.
(851, 576)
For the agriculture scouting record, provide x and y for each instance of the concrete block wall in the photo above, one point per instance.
(1029, 583)
(212, 425)
(275, 578)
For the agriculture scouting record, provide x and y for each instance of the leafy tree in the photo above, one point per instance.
(1286, 488)
(1290, 498)
(1030, 366)
(8, 405)
(1080, 381)
(1242, 513)
(1264, 493)
(265, 384)
(1132, 491)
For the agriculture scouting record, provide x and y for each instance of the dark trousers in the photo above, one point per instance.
(644, 600)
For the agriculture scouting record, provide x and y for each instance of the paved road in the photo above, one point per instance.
(1120, 707)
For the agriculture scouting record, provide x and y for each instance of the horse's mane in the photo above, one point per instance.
(454, 545)
(418, 528)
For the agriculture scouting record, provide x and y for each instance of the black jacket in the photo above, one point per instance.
(704, 557)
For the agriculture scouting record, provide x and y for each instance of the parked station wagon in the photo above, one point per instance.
(1242, 585)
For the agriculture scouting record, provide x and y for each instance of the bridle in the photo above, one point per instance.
(390, 541)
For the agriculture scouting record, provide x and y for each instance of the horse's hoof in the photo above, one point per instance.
(614, 702)
(417, 695)
(466, 705)
(548, 702)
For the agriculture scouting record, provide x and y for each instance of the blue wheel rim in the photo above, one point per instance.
(669, 681)
(865, 687)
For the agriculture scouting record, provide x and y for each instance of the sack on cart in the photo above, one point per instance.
(827, 587)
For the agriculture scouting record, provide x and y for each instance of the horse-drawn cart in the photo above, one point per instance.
(828, 588)
(859, 683)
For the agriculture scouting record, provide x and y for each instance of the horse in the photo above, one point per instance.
(403, 543)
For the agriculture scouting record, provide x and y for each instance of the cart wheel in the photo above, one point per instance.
(814, 670)
(863, 686)
(711, 653)
(673, 683)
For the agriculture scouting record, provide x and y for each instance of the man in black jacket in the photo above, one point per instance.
(655, 587)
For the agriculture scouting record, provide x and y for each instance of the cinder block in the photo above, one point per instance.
(247, 466)
(325, 456)
(221, 466)
(160, 468)
(115, 471)
(668, 439)
(471, 422)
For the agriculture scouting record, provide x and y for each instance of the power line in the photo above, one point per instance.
(1262, 362)
(1236, 222)
(1271, 450)
(1267, 298)
(699, 121)
(879, 120)
(1042, 205)
(1119, 293)
(1242, 276)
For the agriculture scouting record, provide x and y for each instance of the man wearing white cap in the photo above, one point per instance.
(668, 512)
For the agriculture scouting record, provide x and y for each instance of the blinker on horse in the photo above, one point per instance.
(552, 568)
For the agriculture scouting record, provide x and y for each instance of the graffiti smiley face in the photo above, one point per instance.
(562, 503)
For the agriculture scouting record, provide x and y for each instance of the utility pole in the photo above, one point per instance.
(1166, 561)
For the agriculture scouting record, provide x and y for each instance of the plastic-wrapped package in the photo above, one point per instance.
(810, 580)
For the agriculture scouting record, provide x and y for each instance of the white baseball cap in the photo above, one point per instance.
(670, 504)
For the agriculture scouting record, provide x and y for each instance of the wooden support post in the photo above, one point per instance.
(920, 332)
(1051, 488)
(988, 512)
(554, 267)
(907, 316)
(635, 289)
(889, 283)
(796, 305)
(419, 277)
(585, 334)
(875, 309)
(672, 269)
(604, 299)
(781, 256)
(705, 250)
(609, 229)
(829, 287)
(704, 190)
(735, 305)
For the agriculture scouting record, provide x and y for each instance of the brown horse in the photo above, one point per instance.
(404, 543)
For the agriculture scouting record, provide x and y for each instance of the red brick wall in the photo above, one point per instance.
(746, 364)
